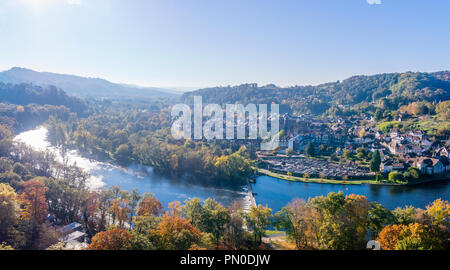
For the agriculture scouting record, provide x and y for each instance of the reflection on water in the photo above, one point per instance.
(277, 193)
(140, 177)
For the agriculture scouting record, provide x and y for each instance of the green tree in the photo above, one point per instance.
(379, 217)
(123, 154)
(257, 219)
(395, 177)
(375, 162)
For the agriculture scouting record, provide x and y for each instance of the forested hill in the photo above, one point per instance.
(395, 88)
(24, 94)
(82, 86)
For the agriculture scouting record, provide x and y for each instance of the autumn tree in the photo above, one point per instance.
(120, 210)
(149, 205)
(9, 211)
(413, 236)
(439, 212)
(175, 233)
(33, 200)
(235, 234)
(114, 239)
(295, 219)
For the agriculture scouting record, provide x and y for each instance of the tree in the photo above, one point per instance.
(378, 115)
(389, 236)
(439, 212)
(234, 229)
(406, 215)
(135, 197)
(193, 209)
(341, 221)
(21, 170)
(413, 236)
(33, 199)
(149, 205)
(257, 219)
(114, 239)
(395, 177)
(211, 217)
(295, 218)
(120, 210)
(175, 233)
(145, 224)
(214, 217)
(375, 162)
(140, 242)
(310, 150)
(64, 199)
(123, 154)
(379, 217)
(9, 211)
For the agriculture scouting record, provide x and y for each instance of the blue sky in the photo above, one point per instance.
(197, 43)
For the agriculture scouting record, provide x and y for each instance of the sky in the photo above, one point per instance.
(200, 43)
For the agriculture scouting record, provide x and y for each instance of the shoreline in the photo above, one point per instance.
(341, 182)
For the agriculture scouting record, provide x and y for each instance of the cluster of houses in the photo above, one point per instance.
(399, 150)
(414, 149)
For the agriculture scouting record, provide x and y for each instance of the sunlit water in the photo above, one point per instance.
(104, 175)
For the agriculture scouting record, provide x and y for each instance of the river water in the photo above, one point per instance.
(104, 175)
(270, 191)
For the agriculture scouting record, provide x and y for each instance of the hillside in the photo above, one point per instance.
(24, 94)
(82, 86)
(397, 88)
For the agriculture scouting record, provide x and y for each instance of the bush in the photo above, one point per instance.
(395, 177)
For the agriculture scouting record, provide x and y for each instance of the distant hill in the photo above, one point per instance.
(395, 88)
(24, 94)
(82, 86)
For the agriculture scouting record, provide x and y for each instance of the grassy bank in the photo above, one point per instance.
(317, 180)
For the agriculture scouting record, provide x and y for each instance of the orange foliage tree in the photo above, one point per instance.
(32, 198)
(175, 232)
(413, 236)
(149, 205)
(120, 210)
(114, 239)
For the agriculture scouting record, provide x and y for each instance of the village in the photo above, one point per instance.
(342, 148)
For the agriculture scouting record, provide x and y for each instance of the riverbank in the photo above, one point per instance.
(317, 180)
(344, 182)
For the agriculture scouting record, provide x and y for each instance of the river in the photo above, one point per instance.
(104, 175)
(270, 191)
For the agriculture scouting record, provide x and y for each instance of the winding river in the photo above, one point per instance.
(104, 175)
(270, 191)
